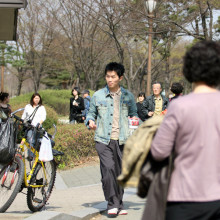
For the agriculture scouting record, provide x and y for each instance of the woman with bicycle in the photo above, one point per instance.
(34, 112)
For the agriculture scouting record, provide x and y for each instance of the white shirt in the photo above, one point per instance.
(40, 114)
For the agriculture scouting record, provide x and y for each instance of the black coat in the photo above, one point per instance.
(140, 112)
(149, 104)
(76, 110)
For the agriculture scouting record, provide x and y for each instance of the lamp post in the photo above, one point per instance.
(151, 4)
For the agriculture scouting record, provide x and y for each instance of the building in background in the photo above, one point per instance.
(8, 18)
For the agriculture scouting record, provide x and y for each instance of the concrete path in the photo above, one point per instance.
(77, 195)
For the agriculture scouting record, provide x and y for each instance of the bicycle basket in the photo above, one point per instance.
(8, 138)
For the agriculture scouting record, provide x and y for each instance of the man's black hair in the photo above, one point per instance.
(176, 88)
(202, 63)
(117, 67)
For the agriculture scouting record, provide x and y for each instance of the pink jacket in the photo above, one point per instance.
(192, 124)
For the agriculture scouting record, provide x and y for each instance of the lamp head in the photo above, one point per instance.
(151, 5)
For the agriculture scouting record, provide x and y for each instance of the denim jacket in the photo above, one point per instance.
(102, 109)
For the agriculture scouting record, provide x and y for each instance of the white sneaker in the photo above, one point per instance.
(113, 211)
(123, 212)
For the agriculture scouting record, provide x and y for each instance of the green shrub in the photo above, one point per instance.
(58, 99)
(52, 118)
(77, 143)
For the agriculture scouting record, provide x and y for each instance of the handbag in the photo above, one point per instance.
(45, 153)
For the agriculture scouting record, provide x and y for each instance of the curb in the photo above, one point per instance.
(84, 214)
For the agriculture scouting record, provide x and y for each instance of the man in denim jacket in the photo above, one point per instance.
(108, 116)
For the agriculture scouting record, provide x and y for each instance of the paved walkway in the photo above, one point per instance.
(77, 195)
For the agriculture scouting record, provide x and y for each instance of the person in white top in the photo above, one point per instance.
(36, 113)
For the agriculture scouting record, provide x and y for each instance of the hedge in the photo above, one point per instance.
(77, 143)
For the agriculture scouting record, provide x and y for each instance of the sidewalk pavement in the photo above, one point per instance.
(77, 195)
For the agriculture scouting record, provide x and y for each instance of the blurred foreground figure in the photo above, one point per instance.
(191, 127)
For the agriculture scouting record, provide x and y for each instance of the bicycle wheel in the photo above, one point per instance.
(37, 197)
(11, 177)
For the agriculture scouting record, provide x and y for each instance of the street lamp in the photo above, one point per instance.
(151, 4)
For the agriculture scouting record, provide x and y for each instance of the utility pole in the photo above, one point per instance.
(2, 67)
(2, 78)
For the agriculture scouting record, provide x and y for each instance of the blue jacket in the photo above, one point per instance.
(102, 109)
(86, 105)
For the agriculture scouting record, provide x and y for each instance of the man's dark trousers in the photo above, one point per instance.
(110, 165)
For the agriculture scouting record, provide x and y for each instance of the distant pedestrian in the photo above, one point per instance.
(176, 89)
(87, 99)
(76, 106)
(154, 104)
(191, 127)
(5, 108)
(141, 98)
(111, 106)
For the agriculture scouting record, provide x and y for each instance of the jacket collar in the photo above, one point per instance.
(107, 91)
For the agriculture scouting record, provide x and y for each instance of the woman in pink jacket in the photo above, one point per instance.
(192, 127)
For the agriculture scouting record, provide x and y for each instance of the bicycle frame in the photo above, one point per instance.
(27, 179)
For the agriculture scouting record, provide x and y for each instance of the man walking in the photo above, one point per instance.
(156, 103)
(111, 106)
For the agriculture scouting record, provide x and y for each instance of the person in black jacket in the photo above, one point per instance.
(76, 106)
(141, 98)
(156, 103)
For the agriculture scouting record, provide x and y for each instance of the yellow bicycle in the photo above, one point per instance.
(14, 176)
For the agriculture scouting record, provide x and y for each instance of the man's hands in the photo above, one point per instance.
(92, 125)
(150, 114)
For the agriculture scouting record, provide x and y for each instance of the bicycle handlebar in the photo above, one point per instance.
(20, 109)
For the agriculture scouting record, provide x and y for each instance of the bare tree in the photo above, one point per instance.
(35, 39)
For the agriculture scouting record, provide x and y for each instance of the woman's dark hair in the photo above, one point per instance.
(77, 89)
(117, 67)
(202, 63)
(176, 88)
(32, 99)
(141, 94)
(3, 96)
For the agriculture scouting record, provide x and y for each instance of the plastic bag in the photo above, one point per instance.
(45, 153)
(7, 142)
